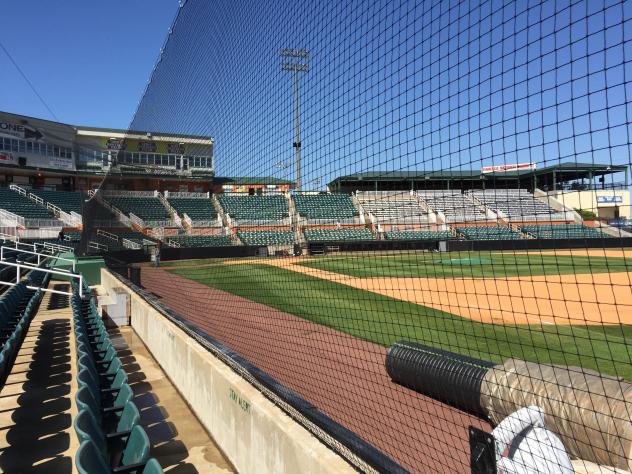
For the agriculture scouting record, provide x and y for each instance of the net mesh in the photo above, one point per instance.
(413, 215)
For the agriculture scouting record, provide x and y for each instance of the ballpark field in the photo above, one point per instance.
(564, 307)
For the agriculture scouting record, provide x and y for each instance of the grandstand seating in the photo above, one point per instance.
(196, 209)
(18, 306)
(455, 206)
(325, 206)
(494, 232)
(147, 208)
(393, 206)
(255, 208)
(420, 235)
(107, 424)
(22, 206)
(517, 205)
(266, 237)
(201, 240)
(564, 231)
(65, 200)
(337, 235)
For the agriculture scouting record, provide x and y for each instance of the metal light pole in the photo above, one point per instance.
(296, 62)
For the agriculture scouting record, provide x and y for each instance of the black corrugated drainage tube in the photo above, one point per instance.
(451, 378)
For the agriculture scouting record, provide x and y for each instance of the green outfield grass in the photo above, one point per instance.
(383, 320)
(467, 264)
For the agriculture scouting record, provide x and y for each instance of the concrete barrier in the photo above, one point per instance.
(254, 434)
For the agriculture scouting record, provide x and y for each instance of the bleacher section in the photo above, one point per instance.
(196, 209)
(330, 207)
(149, 209)
(564, 231)
(393, 207)
(266, 237)
(420, 235)
(201, 240)
(255, 209)
(337, 235)
(66, 201)
(107, 424)
(22, 206)
(455, 206)
(517, 205)
(494, 232)
(18, 305)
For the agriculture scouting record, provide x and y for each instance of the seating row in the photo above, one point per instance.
(494, 232)
(420, 235)
(266, 237)
(18, 306)
(255, 208)
(147, 208)
(564, 231)
(197, 209)
(325, 206)
(393, 206)
(67, 201)
(108, 424)
(201, 240)
(337, 235)
(22, 206)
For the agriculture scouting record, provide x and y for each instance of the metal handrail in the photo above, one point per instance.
(19, 266)
(39, 256)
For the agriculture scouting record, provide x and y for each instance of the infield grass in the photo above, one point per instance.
(467, 265)
(383, 320)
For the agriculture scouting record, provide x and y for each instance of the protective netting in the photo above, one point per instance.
(321, 180)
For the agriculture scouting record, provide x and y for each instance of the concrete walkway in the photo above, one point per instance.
(37, 402)
(179, 441)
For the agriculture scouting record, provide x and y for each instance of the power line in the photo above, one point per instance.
(28, 82)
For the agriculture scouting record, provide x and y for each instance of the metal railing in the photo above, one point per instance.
(22, 266)
(40, 257)
(18, 189)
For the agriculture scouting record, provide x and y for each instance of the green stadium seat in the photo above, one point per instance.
(420, 235)
(564, 231)
(337, 235)
(198, 209)
(255, 208)
(325, 206)
(201, 240)
(22, 205)
(147, 208)
(89, 460)
(67, 201)
(494, 232)
(266, 237)
(152, 467)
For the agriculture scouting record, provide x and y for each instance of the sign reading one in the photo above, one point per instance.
(19, 131)
(609, 199)
(505, 168)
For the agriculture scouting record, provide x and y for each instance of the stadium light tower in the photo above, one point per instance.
(295, 61)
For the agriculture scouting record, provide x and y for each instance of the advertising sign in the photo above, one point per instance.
(116, 144)
(609, 199)
(175, 148)
(6, 158)
(147, 147)
(505, 168)
(16, 130)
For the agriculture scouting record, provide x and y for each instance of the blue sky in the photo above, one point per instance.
(400, 85)
(89, 60)
(393, 85)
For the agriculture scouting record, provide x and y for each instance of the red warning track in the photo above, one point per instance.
(341, 375)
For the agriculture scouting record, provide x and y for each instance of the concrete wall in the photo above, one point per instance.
(255, 435)
(587, 200)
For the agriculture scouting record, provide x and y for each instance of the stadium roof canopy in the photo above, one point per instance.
(474, 178)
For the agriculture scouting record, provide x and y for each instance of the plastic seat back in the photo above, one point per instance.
(137, 447)
(153, 467)
(130, 417)
(89, 460)
(87, 429)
